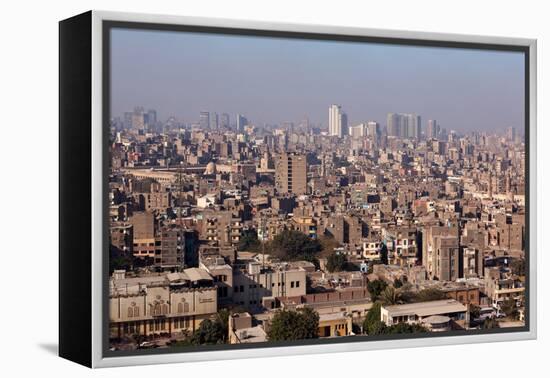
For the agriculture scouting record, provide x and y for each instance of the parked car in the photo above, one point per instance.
(486, 313)
(147, 345)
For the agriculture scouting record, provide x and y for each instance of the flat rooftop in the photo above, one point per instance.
(424, 309)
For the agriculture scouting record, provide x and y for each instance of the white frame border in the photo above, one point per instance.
(97, 196)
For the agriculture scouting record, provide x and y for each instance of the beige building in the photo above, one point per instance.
(223, 277)
(501, 286)
(242, 330)
(291, 173)
(335, 324)
(254, 286)
(144, 233)
(420, 313)
(224, 228)
(160, 304)
(440, 252)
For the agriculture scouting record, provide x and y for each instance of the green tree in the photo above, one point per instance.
(425, 295)
(509, 308)
(328, 244)
(390, 296)
(336, 262)
(474, 311)
(375, 288)
(292, 245)
(372, 325)
(209, 332)
(249, 242)
(290, 325)
(212, 331)
(405, 328)
(119, 259)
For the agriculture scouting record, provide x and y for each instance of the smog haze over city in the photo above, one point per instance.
(276, 80)
(309, 190)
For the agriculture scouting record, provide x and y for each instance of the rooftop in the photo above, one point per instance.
(424, 309)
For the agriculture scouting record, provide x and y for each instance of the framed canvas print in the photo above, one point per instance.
(235, 189)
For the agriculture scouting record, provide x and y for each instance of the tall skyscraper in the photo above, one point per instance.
(214, 121)
(393, 123)
(404, 125)
(138, 120)
(511, 134)
(357, 131)
(373, 130)
(204, 120)
(241, 123)
(128, 120)
(291, 173)
(224, 121)
(432, 130)
(413, 126)
(151, 119)
(337, 121)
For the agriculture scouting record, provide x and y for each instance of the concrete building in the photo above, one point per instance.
(357, 131)
(501, 286)
(143, 223)
(223, 228)
(291, 173)
(432, 129)
(241, 123)
(121, 235)
(446, 258)
(404, 125)
(472, 262)
(416, 313)
(243, 330)
(335, 324)
(440, 252)
(204, 120)
(337, 121)
(256, 286)
(165, 304)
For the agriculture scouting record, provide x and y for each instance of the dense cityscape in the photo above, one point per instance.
(223, 231)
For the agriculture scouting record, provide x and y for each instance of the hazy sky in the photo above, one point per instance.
(273, 80)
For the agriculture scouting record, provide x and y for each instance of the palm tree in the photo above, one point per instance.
(391, 296)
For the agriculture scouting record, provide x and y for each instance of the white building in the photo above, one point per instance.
(357, 131)
(412, 313)
(337, 121)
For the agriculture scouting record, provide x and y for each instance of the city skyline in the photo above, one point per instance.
(274, 80)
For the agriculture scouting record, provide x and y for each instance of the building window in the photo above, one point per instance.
(297, 283)
(292, 284)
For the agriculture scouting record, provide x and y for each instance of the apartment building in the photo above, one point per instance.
(160, 304)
